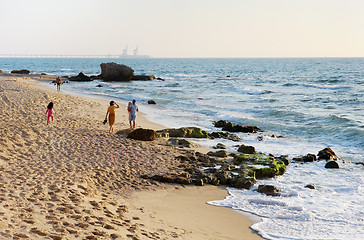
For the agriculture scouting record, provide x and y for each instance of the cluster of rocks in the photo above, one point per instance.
(23, 71)
(113, 72)
(231, 127)
(222, 168)
(325, 154)
(239, 171)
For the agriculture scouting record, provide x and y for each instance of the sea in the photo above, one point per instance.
(302, 105)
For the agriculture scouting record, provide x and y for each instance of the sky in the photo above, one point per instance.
(184, 28)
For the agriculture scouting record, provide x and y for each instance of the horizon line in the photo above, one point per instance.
(118, 56)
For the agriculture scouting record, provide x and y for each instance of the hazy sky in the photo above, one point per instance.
(184, 28)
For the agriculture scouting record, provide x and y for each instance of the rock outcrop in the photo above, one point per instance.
(309, 158)
(116, 72)
(23, 71)
(80, 78)
(269, 190)
(143, 134)
(225, 135)
(200, 169)
(327, 154)
(231, 127)
(331, 164)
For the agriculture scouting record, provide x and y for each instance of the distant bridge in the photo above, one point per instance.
(61, 56)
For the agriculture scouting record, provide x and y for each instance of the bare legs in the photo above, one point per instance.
(132, 124)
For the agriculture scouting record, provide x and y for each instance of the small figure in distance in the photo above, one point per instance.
(111, 112)
(50, 112)
(133, 108)
(58, 83)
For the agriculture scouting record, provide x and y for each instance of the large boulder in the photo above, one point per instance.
(143, 134)
(327, 154)
(1, 71)
(116, 72)
(23, 71)
(80, 78)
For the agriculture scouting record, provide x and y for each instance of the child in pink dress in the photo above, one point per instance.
(50, 112)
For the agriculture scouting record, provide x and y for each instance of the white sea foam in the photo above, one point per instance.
(333, 211)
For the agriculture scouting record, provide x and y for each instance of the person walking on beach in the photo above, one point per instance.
(58, 83)
(133, 108)
(127, 108)
(111, 112)
(50, 112)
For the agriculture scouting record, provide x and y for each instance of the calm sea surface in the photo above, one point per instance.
(313, 103)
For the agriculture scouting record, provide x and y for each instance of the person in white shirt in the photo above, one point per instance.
(133, 108)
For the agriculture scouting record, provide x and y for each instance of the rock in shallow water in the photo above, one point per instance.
(332, 164)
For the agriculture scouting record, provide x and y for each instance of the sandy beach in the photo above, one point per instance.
(74, 180)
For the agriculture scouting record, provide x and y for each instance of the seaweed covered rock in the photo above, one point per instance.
(185, 132)
(327, 154)
(264, 166)
(203, 169)
(143, 134)
(284, 159)
(243, 181)
(220, 146)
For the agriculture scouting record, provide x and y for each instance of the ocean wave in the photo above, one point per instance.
(328, 87)
(252, 91)
(172, 85)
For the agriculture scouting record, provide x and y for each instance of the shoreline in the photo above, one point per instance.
(72, 178)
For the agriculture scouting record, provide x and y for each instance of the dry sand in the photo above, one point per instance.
(73, 180)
